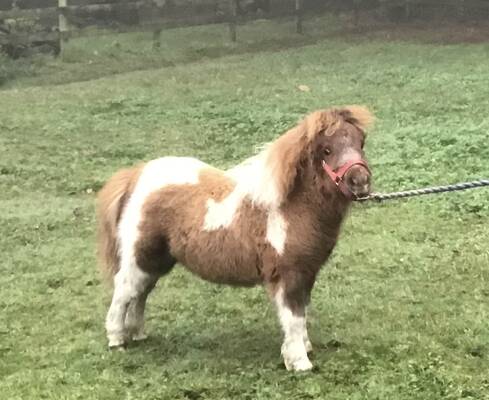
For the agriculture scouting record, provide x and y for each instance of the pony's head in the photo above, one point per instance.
(337, 144)
(327, 147)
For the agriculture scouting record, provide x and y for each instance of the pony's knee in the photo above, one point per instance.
(296, 287)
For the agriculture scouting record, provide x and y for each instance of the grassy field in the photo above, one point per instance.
(400, 312)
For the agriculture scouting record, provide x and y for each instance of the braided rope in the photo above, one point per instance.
(429, 190)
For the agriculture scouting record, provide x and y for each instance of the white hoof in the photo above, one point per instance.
(308, 345)
(139, 337)
(295, 359)
(303, 365)
(116, 342)
(298, 365)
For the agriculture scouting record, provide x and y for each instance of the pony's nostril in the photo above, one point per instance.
(358, 180)
(361, 180)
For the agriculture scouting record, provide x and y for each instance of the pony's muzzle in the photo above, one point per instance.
(358, 179)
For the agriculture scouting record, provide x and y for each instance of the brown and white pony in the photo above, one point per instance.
(272, 220)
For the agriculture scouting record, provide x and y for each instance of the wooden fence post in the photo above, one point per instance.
(298, 17)
(123, 14)
(233, 19)
(356, 13)
(157, 38)
(62, 24)
(407, 9)
(462, 9)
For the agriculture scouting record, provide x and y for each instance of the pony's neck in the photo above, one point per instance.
(327, 205)
(259, 181)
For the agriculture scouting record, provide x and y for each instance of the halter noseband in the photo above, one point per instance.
(339, 173)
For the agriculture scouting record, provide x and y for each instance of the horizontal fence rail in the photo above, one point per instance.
(65, 19)
(60, 20)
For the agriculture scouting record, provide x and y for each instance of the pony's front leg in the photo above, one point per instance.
(305, 338)
(291, 309)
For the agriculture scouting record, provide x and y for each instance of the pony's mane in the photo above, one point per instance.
(269, 176)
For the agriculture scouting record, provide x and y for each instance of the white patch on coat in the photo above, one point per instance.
(221, 215)
(254, 182)
(131, 282)
(155, 175)
(294, 349)
(276, 230)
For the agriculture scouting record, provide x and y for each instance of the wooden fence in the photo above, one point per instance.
(57, 21)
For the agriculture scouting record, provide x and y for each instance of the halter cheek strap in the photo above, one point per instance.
(339, 173)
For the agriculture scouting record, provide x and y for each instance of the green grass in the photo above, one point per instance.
(400, 312)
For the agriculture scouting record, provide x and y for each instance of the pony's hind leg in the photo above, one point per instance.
(134, 323)
(151, 261)
(130, 283)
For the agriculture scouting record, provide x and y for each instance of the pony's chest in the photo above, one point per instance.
(309, 241)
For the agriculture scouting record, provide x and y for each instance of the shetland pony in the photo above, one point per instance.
(272, 220)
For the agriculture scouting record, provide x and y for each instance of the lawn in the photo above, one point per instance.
(401, 311)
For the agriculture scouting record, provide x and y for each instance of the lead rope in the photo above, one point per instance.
(379, 197)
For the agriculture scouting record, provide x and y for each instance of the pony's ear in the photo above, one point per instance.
(359, 116)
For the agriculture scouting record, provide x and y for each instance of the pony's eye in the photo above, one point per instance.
(327, 151)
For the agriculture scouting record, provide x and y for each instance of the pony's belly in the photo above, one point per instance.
(226, 279)
(224, 268)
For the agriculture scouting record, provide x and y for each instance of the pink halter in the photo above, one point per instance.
(339, 173)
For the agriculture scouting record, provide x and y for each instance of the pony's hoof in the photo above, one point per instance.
(139, 337)
(121, 347)
(117, 343)
(299, 365)
(295, 362)
(295, 357)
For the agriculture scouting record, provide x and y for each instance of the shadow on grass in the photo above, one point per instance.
(245, 347)
(258, 345)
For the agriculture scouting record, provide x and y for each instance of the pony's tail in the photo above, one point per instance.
(110, 203)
